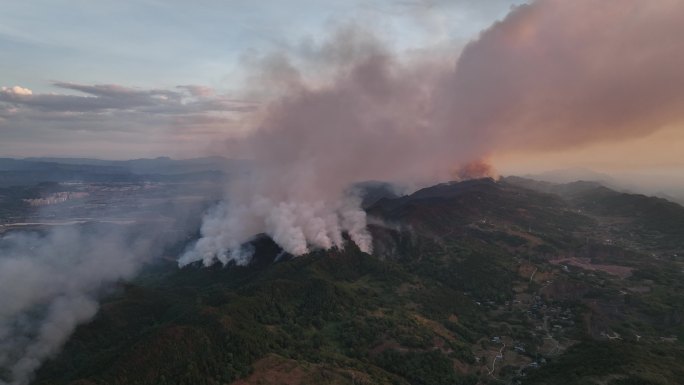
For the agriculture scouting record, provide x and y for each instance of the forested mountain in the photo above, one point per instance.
(480, 281)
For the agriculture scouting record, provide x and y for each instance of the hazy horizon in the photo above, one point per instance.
(663, 183)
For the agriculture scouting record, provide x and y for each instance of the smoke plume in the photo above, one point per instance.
(552, 74)
(52, 282)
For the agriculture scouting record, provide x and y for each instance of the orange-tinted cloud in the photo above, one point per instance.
(562, 73)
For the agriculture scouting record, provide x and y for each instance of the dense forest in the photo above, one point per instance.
(464, 287)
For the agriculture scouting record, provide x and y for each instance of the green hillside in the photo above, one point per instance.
(478, 282)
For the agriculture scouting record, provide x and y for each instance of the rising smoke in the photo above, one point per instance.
(552, 74)
(52, 281)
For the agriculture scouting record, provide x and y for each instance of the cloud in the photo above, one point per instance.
(199, 91)
(111, 90)
(149, 114)
(112, 97)
(15, 91)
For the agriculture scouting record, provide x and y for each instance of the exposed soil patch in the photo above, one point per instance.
(585, 263)
(276, 370)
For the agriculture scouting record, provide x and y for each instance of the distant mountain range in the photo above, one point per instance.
(568, 175)
(35, 170)
(631, 183)
(160, 165)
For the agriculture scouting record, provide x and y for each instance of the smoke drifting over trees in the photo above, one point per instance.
(552, 74)
(51, 283)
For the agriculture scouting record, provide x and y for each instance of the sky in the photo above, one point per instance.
(122, 79)
(130, 79)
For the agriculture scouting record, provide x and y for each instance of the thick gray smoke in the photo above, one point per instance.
(554, 73)
(51, 283)
(310, 146)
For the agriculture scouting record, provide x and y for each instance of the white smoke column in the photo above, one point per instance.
(552, 74)
(298, 227)
(51, 283)
(311, 145)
